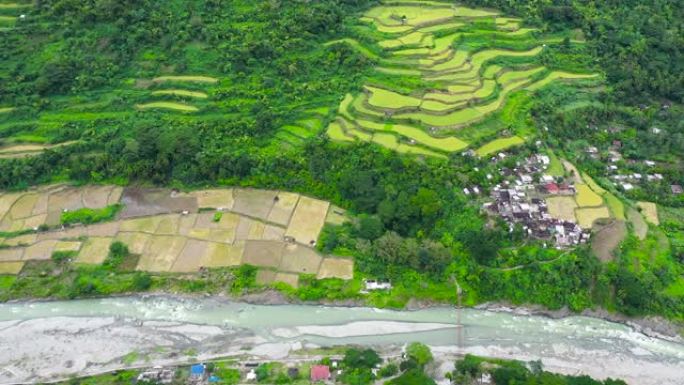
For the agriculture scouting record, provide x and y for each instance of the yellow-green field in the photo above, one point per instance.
(191, 79)
(586, 197)
(587, 215)
(448, 144)
(20, 150)
(307, 220)
(617, 208)
(190, 94)
(499, 145)
(562, 208)
(382, 98)
(650, 211)
(430, 41)
(167, 106)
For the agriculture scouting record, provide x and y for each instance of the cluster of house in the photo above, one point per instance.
(200, 374)
(522, 202)
(627, 181)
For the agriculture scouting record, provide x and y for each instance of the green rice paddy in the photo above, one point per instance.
(167, 106)
(498, 145)
(191, 79)
(382, 98)
(186, 93)
(439, 69)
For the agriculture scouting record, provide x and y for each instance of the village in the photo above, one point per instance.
(343, 365)
(234, 373)
(629, 174)
(520, 200)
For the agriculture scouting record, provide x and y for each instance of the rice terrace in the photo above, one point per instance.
(465, 64)
(342, 163)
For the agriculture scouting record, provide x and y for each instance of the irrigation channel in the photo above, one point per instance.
(46, 341)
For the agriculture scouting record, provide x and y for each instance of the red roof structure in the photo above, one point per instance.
(320, 373)
(552, 188)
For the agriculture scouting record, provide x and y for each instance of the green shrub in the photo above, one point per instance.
(60, 257)
(118, 251)
(388, 370)
(88, 216)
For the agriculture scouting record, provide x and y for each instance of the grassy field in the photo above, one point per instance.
(555, 165)
(606, 239)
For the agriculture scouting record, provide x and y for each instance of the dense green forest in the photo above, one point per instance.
(70, 72)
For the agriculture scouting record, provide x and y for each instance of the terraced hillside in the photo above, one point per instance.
(11, 12)
(439, 69)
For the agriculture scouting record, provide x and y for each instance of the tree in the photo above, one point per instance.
(356, 358)
(469, 365)
(420, 353)
(370, 227)
(412, 377)
(358, 376)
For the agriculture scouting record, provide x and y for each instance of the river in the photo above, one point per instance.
(45, 341)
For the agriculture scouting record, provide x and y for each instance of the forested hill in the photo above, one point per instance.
(328, 98)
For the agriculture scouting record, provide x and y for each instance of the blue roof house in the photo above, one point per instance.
(197, 371)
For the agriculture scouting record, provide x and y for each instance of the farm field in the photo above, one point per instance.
(174, 232)
(167, 106)
(24, 150)
(586, 197)
(499, 145)
(465, 84)
(650, 212)
(589, 203)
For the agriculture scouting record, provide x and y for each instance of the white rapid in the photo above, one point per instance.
(47, 341)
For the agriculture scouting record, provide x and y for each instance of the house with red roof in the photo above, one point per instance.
(552, 188)
(320, 373)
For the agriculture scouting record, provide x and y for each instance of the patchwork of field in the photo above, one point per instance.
(590, 202)
(44, 206)
(458, 82)
(273, 230)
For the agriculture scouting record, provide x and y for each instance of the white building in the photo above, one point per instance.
(372, 284)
